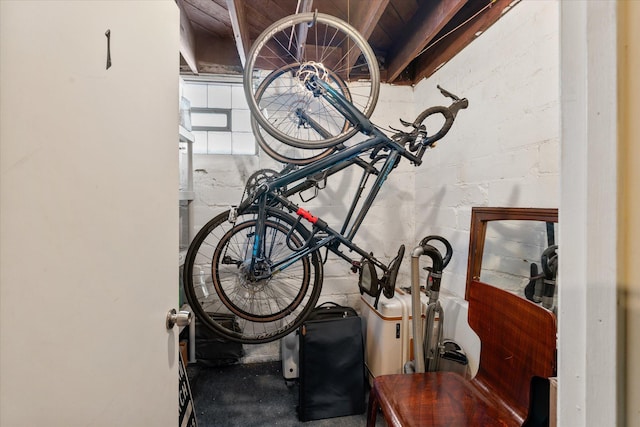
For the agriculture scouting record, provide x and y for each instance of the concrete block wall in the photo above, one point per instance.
(504, 149)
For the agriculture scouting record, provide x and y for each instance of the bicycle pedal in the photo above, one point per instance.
(389, 284)
(355, 266)
(388, 292)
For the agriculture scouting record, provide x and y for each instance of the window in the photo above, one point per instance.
(220, 117)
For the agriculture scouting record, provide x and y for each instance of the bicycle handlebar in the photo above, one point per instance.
(449, 114)
(357, 119)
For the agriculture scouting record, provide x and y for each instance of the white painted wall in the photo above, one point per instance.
(504, 149)
(588, 364)
(501, 151)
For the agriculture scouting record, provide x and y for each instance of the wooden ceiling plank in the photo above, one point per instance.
(214, 52)
(264, 13)
(217, 25)
(187, 40)
(368, 15)
(301, 31)
(240, 28)
(426, 23)
(437, 56)
(365, 20)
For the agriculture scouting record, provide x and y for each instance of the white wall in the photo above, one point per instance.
(504, 149)
(590, 376)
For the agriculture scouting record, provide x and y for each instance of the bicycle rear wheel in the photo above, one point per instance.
(223, 295)
(315, 46)
(285, 153)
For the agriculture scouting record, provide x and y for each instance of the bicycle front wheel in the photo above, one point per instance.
(281, 151)
(226, 297)
(310, 46)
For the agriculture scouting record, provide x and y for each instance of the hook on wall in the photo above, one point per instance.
(108, 34)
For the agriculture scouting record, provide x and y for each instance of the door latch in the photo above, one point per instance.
(181, 318)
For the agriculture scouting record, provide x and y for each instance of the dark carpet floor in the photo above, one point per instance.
(252, 395)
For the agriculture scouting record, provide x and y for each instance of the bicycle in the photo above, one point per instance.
(257, 263)
(286, 56)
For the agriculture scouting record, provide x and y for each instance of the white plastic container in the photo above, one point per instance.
(290, 351)
(389, 333)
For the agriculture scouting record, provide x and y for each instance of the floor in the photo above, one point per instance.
(253, 394)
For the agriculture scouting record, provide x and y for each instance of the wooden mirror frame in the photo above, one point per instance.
(480, 216)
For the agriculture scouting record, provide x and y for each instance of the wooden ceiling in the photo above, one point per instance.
(411, 38)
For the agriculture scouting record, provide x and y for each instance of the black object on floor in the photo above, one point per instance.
(538, 403)
(211, 348)
(332, 374)
(252, 395)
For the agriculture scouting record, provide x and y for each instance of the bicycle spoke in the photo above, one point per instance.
(329, 47)
(220, 284)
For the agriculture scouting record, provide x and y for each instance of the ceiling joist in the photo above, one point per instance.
(441, 52)
(426, 23)
(366, 19)
(240, 28)
(410, 38)
(187, 40)
(301, 30)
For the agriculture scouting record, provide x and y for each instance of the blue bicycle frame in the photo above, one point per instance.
(331, 238)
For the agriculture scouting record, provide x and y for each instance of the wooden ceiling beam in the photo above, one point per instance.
(366, 18)
(438, 55)
(365, 21)
(240, 28)
(430, 18)
(217, 55)
(187, 40)
(209, 16)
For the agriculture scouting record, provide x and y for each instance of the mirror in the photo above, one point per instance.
(510, 249)
(504, 242)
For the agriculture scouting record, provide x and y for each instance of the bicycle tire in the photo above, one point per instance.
(281, 151)
(213, 283)
(285, 153)
(282, 45)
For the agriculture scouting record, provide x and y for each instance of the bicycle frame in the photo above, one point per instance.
(331, 164)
